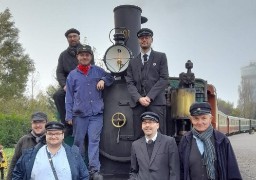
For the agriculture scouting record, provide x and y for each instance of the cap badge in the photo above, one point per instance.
(154, 64)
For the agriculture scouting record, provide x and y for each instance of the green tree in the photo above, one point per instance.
(51, 89)
(15, 66)
(227, 108)
(247, 99)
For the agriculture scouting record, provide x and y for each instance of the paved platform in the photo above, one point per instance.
(244, 146)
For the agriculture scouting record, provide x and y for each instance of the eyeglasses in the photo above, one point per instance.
(53, 134)
(72, 36)
(144, 37)
(148, 122)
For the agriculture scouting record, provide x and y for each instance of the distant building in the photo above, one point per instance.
(247, 91)
(249, 72)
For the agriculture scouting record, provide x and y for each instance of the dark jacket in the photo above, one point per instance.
(66, 63)
(24, 166)
(82, 97)
(25, 142)
(163, 164)
(155, 82)
(227, 166)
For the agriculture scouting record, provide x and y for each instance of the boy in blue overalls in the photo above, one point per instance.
(84, 105)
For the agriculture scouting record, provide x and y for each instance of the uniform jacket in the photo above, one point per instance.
(27, 141)
(24, 166)
(66, 63)
(226, 160)
(164, 162)
(155, 83)
(82, 97)
(3, 164)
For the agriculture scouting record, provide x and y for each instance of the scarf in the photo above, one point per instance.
(209, 150)
(84, 69)
(73, 49)
(38, 137)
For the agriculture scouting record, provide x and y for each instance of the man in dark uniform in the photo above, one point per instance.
(147, 79)
(155, 156)
(66, 63)
(206, 153)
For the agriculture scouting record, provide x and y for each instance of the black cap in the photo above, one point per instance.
(72, 30)
(39, 116)
(54, 125)
(144, 32)
(84, 48)
(200, 108)
(149, 116)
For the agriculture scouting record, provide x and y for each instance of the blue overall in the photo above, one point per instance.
(84, 105)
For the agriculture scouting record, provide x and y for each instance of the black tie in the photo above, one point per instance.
(145, 58)
(150, 147)
(150, 141)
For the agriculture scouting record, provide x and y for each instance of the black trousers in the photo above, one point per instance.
(2, 173)
(138, 110)
(59, 99)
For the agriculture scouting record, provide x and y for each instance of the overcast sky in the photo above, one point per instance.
(217, 35)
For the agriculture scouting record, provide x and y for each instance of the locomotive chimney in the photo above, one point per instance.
(129, 16)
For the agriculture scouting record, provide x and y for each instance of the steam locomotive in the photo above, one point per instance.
(118, 133)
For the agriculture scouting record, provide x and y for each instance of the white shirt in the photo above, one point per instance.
(153, 139)
(142, 54)
(42, 169)
(200, 145)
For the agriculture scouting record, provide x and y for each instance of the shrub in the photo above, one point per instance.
(12, 127)
(15, 114)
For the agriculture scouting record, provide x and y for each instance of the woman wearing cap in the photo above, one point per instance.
(206, 153)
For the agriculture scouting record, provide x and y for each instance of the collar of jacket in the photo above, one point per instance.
(158, 138)
(218, 137)
(151, 54)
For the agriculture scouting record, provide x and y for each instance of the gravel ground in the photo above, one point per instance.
(244, 146)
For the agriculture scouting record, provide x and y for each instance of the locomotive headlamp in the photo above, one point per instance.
(117, 56)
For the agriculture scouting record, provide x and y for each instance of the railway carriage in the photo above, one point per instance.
(233, 125)
(230, 125)
(223, 122)
(244, 124)
(253, 124)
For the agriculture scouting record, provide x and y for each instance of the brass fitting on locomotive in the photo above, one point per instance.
(181, 99)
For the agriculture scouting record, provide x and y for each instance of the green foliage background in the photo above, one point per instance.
(15, 116)
(15, 65)
(15, 68)
(228, 108)
(12, 128)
